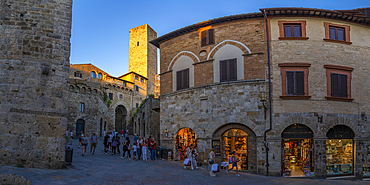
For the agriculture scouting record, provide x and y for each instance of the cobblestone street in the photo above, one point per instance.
(108, 169)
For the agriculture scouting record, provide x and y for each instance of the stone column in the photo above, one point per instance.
(275, 160)
(320, 157)
(361, 153)
(34, 61)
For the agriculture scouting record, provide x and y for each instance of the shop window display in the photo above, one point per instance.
(184, 138)
(297, 157)
(235, 140)
(339, 156)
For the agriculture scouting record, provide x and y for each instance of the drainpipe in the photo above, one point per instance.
(270, 96)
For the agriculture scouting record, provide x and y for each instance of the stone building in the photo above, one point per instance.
(99, 101)
(214, 78)
(146, 119)
(34, 62)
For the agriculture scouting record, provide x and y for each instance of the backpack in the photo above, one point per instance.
(231, 159)
(114, 143)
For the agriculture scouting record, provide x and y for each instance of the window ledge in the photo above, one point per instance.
(293, 97)
(293, 38)
(338, 41)
(339, 99)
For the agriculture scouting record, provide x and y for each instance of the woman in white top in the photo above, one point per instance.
(211, 160)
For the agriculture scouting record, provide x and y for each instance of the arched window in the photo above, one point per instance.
(93, 74)
(100, 75)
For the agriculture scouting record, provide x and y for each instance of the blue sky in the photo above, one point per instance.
(100, 28)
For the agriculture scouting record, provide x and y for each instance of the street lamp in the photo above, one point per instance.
(263, 99)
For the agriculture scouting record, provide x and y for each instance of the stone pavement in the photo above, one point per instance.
(108, 169)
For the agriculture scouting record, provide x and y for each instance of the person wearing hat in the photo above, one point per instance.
(234, 163)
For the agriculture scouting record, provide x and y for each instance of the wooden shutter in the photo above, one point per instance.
(299, 80)
(223, 71)
(232, 69)
(203, 38)
(343, 86)
(290, 82)
(185, 78)
(80, 75)
(211, 37)
(334, 85)
(178, 80)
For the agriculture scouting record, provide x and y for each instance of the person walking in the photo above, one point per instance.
(80, 139)
(144, 149)
(211, 160)
(189, 153)
(135, 138)
(104, 132)
(135, 151)
(110, 140)
(139, 147)
(84, 142)
(93, 143)
(195, 158)
(71, 136)
(126, 148)
(234, 162)
(106, 143)
(118, 143)
(114, 144)
(152, 148)
(122, 133)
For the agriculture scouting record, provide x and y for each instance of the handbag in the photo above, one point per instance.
(215, 168)
(211, 161)
(129, 147)
(187, 162)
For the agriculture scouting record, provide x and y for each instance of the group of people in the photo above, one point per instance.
(84, 140)
(233, 161)
(192, 157)
(139, 147)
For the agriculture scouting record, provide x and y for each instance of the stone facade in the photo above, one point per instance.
(146, 120)
(211, 108)
(34, 62)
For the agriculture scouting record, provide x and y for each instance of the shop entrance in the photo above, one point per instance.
(297, 151)
(339, 151)
(236, 140)
(184, 138)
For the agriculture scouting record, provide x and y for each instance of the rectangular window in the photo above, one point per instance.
(336, 33)
(228, 70)
(338, 85)
(295, 83)
(207, 37)
(82, 107)
(182, 79)
(111, 96)
(292, 30)
(141, 80)
(136, 78)
(78, 74)
(137, 105)
(136, 88)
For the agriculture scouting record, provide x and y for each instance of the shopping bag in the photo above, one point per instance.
(187, 162)
(215, 168)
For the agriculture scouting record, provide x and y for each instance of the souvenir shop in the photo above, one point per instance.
(339, 151)
(297, 151)
(235, 140)
(184, 138)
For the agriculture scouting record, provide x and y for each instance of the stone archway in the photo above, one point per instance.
(120, 121)
(251, 143)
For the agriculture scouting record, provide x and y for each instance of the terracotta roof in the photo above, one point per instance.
(134, 73)
(360, 15)
(194, 27)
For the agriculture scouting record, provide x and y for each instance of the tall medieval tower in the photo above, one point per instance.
(143, 55)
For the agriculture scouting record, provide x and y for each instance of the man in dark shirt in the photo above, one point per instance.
(105, 142)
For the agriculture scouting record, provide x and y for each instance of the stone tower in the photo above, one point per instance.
(143, 55)
(34, 61)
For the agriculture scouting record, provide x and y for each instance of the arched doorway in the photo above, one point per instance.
(121, 113)
(80, 126)
(297, 151)
(239, 138)
(184, 138)
(339, 151)
(101, 127)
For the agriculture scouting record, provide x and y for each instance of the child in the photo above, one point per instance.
(135, 150)
(234, 163)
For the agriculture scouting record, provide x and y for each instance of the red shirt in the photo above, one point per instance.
(152, 144)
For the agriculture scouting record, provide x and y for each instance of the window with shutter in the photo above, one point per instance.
(182, 79)
(295, 83)
(228, 70)
(207, 37)
(338, 85)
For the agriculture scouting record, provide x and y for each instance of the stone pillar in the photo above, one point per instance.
(34, 61)
(361, 152)
(320, 157)
(275, 160)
